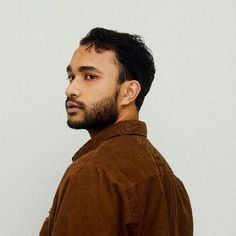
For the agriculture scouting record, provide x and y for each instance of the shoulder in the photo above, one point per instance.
(83, 178)
(126, 159)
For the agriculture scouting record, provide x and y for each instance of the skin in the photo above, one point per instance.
(93, 77)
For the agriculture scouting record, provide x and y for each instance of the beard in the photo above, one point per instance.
(101, 114)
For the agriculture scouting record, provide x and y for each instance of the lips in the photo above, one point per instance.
(72, 108)
(70, 105)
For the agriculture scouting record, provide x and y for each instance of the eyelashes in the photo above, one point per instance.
(70, 78)
(86, 77)
(90, 77)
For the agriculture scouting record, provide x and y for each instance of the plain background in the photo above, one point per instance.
(190, 110)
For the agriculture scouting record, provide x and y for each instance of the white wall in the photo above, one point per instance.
(190, 110)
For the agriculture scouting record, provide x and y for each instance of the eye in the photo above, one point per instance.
(70, 78)
(90, 77)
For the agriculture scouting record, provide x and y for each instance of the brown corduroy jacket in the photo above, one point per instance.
(119, 184)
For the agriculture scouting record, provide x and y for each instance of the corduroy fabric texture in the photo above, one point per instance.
(119, 184)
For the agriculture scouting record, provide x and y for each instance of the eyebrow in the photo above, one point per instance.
(84, 68)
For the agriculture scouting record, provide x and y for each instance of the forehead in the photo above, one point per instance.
(86, 55)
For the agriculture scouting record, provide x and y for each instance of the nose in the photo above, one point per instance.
(73, 89)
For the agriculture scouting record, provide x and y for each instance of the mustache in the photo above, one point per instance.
(81, 105)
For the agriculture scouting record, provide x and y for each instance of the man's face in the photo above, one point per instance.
(93, 90)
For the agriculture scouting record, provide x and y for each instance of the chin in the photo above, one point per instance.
(73, 117)
(74, 124)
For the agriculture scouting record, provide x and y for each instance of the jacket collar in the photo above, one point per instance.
(134, 127)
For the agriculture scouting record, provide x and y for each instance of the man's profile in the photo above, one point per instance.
(118, 183)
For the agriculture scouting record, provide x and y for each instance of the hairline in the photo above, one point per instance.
(123, 72)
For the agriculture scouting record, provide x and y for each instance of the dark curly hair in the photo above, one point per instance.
(134, 57)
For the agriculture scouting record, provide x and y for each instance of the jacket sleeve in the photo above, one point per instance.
(87, 203)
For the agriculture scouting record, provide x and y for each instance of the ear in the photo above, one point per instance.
(130, 91)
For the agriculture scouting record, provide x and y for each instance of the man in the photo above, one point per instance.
(118, 183)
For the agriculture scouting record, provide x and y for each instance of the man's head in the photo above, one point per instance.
(110, 74)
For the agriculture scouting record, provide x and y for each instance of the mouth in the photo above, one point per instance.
(72, 107)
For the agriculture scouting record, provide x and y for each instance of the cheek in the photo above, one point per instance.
(100, 93)
(92, 98)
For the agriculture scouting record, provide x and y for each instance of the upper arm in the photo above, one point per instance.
(88, 203)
